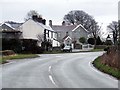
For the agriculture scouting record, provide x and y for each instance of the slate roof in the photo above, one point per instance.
(44, 26)
(65, 28)
(12, 25)
(66, 37)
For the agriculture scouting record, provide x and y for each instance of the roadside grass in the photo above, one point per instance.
(106, 69)
(96, 50)
(52, 52)
(3, 59)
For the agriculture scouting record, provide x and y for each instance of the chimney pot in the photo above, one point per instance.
(50, 23)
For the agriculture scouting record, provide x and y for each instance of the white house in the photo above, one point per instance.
(37, 31)
(70, 34)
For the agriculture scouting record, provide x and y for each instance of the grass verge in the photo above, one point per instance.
(106, 69)
(96, 50)
(18, 56)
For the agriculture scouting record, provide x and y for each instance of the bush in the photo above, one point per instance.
(82, 40)
(21, 46)
(91, 41)
(7, 52)
(12, 44)
(108, 42)
(30, 46)
(98, 41)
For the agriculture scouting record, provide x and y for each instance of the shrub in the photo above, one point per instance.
(7, 52)
(12, 44)
(108, 42)
(91, 41)
(31, 46)
(82, 40)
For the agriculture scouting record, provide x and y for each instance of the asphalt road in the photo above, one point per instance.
(70, 70)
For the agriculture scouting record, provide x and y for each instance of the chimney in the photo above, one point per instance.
(50, 23)
(34, 17)
(63, 23)
(39, 19)
(44, 21)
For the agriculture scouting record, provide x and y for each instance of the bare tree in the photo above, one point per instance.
(32, 13)
(113, 27)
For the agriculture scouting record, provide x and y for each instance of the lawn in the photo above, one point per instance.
(106, 69)
(96, 50)
(18, 56)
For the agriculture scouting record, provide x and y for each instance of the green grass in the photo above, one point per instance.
(52, 52)
(96, 50)
(18, 56)
(106, 69)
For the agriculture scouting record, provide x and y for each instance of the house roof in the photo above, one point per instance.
(40, 24)
(14, 26)
(44, 26)
(66, 37)
(67, 28)
(81, 27)
(63, 27)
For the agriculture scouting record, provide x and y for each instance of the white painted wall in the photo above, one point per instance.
(55, 43)
(30, 30)
(79, 32)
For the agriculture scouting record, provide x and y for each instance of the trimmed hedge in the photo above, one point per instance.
(21, 46)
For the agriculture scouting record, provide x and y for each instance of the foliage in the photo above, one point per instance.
(21, 46)
(46, 45)
(108, 42)
(113, 27)
(7, 52)
(62, 45)
(32, 13)
(91, 41)
(12, 44)
(96, 50)
(82, 39)
(31, 46)
(98, 41)
(106, 69)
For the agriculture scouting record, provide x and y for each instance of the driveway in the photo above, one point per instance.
(70, 70)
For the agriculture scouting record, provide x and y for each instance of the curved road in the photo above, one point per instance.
(70, 70)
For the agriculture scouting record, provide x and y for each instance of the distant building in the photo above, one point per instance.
(37, 31)
(10, 30)
(30, 29)
(70, 34)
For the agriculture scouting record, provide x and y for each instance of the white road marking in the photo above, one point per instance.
(51, 79)
(50, 68)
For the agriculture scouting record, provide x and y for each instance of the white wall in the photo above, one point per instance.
(79, 32)
(55, 43)
(31, 30)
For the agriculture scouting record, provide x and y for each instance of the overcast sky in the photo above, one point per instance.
(104, 11)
